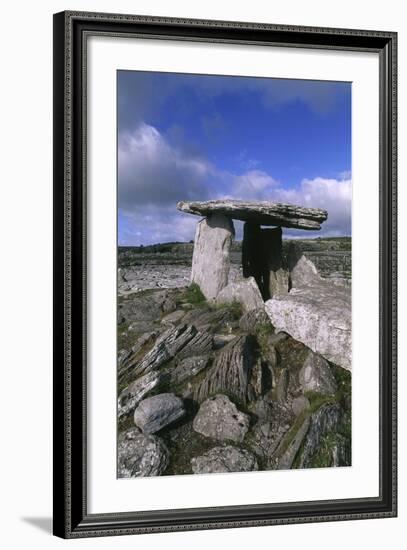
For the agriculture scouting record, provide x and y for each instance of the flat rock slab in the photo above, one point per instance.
(320, 317)
(224, 459)
(259, 212)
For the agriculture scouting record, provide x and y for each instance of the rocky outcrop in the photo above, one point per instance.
(245, 292)
(154, 413)
(210, 261)
(134, 393)
(320, 317)
(165, 348)
(224, 459)
(141, 455)
(219, 418)
(262, 213)
(188, 367)
(325, 421)
(316, 376)
(287, 458)
(231, 371)
(234, 382)
(251, 320)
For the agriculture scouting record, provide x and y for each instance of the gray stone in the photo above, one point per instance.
(154, 413)
(141, 455)
(260, 212)
(224, 459)
(286, 460)
(165, 348)
(320, 317)
(316, 375)
(325, 420)
(231, 371)
(300, 404)
(304, 273)
(173, 318)
(262, 258)
(282, 386)
(147, 306)
(251, 320)
(219, 418)
(245, 292)
(210, 260)
(200, 344)
(134, 393)
(189, 367)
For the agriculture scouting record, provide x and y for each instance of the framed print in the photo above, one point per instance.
(224, 274)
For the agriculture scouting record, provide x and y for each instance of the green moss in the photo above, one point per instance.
(235, 308)
(124, 423)
(193, 295)
(292, 432)
(317, 400)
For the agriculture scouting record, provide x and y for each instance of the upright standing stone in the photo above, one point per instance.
(210, 261)
(262, 258)
(272, 249)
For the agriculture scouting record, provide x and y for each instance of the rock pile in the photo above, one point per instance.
(213, 388)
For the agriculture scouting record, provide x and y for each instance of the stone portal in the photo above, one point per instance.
(262, 256)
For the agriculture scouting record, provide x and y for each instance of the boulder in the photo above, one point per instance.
(219, 418)
(224, 459)
(210, 260)
(231, 371)
(260, 212)
(154, 413)
(244, 291)
(141, 455)
(316, 376)
(320, 317)
(134, 393)
(303, 272)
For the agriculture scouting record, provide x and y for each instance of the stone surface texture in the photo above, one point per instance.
(316, 376)
(141, 455)
(260, 212)
(210, 260)
(319, 316)
(134, 393)
(154, 413)
(245, 292)
(224, 459)
(219, 418)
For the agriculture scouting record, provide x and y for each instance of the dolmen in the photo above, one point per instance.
(295, 297)
(262, 256)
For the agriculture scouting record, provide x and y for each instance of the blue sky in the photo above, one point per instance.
(199, 137)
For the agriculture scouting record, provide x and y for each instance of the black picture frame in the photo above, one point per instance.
(71, 518)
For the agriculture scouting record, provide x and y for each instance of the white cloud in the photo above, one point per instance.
(153, 176)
